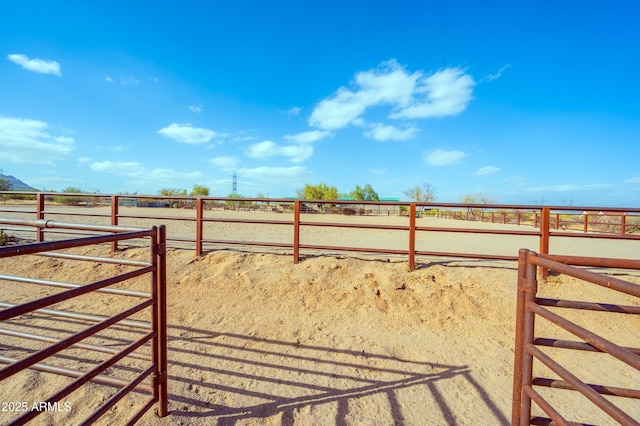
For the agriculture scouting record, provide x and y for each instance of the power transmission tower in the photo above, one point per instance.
(234, 187)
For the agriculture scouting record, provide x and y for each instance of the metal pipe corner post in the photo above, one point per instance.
(40, 215)
(412, 236)
(161, 379)
(114, 220)
(528, 334)
(199, 225)
(296, 231)
(516, 401)
(545, 225)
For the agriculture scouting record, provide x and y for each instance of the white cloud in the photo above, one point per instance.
(187, 134)
(108, 79)
(30, 141)
(36, 65)
(287, 175)
(380, 132)
(441, 157)
(488, 170)
(195, 108)
(411, 95)
(224, 162)
(308, 137)
(296, 153)
(294, 111)
(446, 92)
(84, 160)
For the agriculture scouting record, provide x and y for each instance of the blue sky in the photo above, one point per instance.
(527, 102)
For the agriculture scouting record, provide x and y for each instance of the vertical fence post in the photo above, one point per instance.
(623, 224)
(586, 222)
(159, 318)
(199, 225)
(296, 231)
(412, 236)
(114, 220)
(518, 218)
(516, 402)
(545, 219)
(39, 215)
(531, 287)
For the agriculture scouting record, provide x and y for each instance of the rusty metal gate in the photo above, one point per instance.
(528, 343)
(149, 345)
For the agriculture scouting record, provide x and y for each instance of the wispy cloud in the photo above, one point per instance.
(296, 153)
(488, 170)
(135, 169)
(381, 132)
(441, 157)
(124, 81)
(129, 168)
(195, 108)
(570, 187)
(290, 175)
(378, 171)
(410, 95)
(294, 111)
(308, 137)
(224, 162)
(497, 75)
(187, 134)
(36, 65)
(30, 141)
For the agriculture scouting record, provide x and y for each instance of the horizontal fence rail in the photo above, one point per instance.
(528, 344)
(151, 379)
(300, 218)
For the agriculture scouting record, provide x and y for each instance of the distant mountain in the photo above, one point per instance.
(17, 184)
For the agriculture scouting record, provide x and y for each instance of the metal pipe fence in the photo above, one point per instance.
(544, 223)
(151, 379)
(528, 343)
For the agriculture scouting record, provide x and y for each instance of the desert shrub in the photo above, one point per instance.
(348, 212)
(6, 238)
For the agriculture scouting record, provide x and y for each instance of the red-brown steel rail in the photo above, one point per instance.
(155, 301)
(528, 306)
(547, 221)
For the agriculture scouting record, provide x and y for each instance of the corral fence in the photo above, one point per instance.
(528, 343)
(150, 348)
(543, 223)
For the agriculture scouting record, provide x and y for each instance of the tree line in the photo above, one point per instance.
(425, 193)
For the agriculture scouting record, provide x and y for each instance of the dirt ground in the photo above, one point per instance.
(346, 339)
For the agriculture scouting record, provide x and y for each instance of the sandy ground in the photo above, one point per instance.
(256, 339)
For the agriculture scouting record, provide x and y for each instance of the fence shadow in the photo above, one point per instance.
(226, 378)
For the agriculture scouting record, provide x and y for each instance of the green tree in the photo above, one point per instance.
(173, 192)
(5, 185)
(199, 191)
(364, 194)
(422, 194)
(318, 192)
